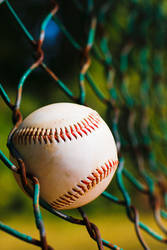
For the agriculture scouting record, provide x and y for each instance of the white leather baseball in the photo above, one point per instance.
(71, 150)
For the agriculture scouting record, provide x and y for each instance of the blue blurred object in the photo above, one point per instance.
(51, 34)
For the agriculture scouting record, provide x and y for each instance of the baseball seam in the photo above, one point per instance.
(84, 185)
(29, 135)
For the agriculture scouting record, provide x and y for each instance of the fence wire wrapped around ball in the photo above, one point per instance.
(137, 59)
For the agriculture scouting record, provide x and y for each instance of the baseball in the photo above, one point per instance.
(71, 151)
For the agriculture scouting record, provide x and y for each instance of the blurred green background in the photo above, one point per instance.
(16, 55)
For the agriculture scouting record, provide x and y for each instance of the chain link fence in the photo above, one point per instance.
(134, 68)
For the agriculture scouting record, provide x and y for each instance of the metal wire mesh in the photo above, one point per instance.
(140, 50)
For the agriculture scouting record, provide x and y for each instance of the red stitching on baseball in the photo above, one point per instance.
(30, 136)
(73, 195)
(64, 200)
(81, 128)
(26, 135)
(101, 173)
(34, 136)
(89, 124)
(86, 127)
(93, 121)
(77, 130)
(50, 136)
(56, 135)
(45, 136)
(39, 135)
(67, 134)
(61, 202)
(77, 191)
(72, 132)
(69, 197)
(62, 135)
(104, 171)
(84, 186)
(96, 177)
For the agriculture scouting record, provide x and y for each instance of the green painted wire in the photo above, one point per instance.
(111, 197)
(4, 94)
(151, 232)
(20, 86)
(163, 212)
(66, 33)
(82, 88)
(38, 215)
(17, 234)
(5, 97)
(91, 36)
(61, 85)
(7, 162)
(46, 21)
(133, 180)
(96, 90)
(114, 247)
(105, 49)
(90, 41)
(19, 21)
(121, 184)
